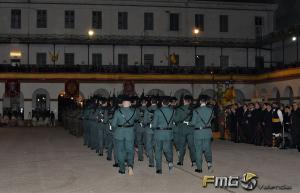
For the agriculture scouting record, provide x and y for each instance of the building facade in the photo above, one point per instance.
(173, 33)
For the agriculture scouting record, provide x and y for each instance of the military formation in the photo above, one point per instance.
(150, 126)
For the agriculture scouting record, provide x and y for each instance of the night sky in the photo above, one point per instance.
(288, 13)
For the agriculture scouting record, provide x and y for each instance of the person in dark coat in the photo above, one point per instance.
(239, 117)
(267, 125)
(233, 124)
(295, 129)
(257, 120)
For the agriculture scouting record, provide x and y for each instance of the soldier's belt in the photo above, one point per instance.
(126, 126)
(186, 123)
(160, 128)
(203, 128)
(275, 120)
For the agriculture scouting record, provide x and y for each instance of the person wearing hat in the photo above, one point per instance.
(140, 129)
(84, 118)
(101, 124)
(123, 122)
(109, 138)
(93, 127)
(182, 118)
(162, 125)
(148, 140)
(201, 120)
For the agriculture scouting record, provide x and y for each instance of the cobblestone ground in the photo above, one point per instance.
(49, 160)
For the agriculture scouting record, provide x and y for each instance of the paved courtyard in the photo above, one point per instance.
(49, 160)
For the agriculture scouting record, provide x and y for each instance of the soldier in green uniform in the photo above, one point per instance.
(109, 138)
(176, 130)
(101, 125)
(202, 117)
(89, 124)
(140, 130)
(84, 123)
(182, 118)
(123, 122)
(93, 128)
(162, 125)
(149, 143)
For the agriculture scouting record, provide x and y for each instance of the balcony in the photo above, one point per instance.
(136, 69)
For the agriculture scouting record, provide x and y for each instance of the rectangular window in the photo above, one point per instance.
(148, 21)
(41, 58)
(97, 20)
(174, 22)
(69, 19)
(200, 60)
(123, 59)
(223, 23)
(122, 20)
(97, 59)
(148, 60)
(224, 61)
(41, 18)
(15, 19)
(259, 62)
(258, 21)
(258, 27)
(69, 59)
(199, 22)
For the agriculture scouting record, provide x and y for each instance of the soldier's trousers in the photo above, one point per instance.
(202, 146)
(100, 140)
(176, 138)
(88, 133)
(93, 136)
(125, 151)
(149, 147)
(84, 125)
(186, 138)
(140, 134)
(163, 146)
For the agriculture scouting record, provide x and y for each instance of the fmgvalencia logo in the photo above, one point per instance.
(248, 181)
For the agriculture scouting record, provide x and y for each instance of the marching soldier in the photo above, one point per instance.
(109, 134)
(123, 121)
(162, 125)
(140, 130)
(182, 118)
(93, 128)
(101, 124)
(148, 117)
(86, 124)
(202, 117)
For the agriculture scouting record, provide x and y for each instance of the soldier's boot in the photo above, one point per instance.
(130, 171)
(171, 168)
(209, 167)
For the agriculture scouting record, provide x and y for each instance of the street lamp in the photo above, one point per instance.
(196, 31)
(294, 38)
(91, 33)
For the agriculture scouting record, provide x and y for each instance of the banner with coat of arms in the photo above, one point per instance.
(12, 88)
(72, 88)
